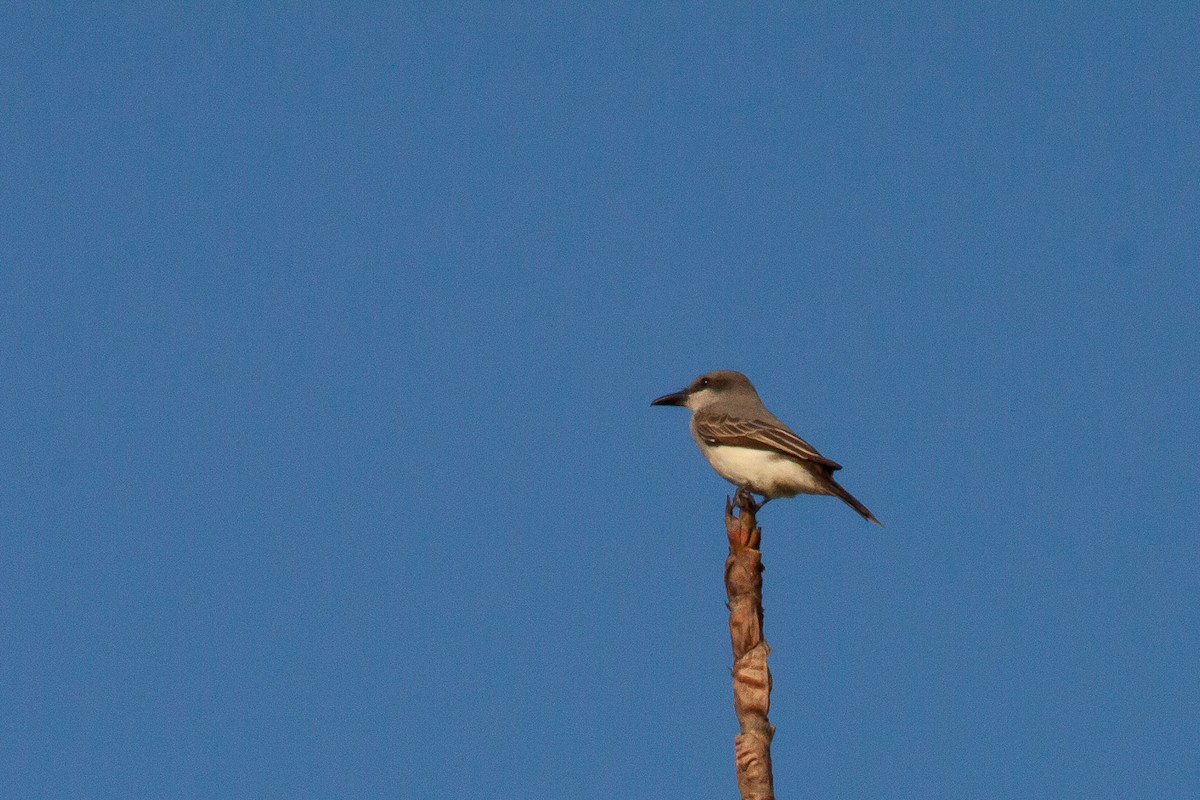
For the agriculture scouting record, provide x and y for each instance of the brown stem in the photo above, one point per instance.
(751, 677)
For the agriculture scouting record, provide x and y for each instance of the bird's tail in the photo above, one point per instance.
(852, 501)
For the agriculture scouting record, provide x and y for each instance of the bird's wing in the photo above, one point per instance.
(721, 429)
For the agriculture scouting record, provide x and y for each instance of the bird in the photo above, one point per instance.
(749, 447)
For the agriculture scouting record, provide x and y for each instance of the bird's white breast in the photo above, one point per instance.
(766, 472)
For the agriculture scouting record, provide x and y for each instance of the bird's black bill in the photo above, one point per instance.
(673, 399)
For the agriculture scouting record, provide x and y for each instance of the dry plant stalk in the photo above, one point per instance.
(751, 677)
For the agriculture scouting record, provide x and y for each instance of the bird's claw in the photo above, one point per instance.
(743, 499)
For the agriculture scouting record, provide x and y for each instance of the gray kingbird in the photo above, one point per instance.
(748, 445)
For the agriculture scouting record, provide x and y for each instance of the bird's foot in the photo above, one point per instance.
(743, 499)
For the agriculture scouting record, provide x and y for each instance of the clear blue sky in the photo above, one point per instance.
(328, 343)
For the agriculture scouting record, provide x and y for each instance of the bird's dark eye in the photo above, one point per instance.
(704, 381)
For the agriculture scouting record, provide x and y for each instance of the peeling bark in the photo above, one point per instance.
(751, 677)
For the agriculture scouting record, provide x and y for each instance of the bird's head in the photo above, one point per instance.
(708, 388)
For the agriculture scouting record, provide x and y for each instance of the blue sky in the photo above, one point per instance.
(329, 338)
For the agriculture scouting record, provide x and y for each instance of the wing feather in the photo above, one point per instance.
(720, 429)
